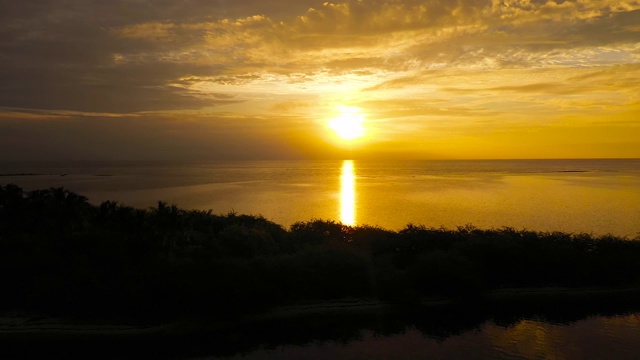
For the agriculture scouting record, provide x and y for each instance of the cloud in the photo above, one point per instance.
(407, 62)
(36, 114)
(88, 50)
(291, 106)
(154, 31)
(147, 136)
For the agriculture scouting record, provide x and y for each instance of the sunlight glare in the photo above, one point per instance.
(349, 124)
(348, 194)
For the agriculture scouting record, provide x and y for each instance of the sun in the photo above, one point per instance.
(349, 124)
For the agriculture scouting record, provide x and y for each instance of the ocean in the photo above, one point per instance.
(579, 196)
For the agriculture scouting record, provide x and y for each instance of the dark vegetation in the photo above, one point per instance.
(60, 255)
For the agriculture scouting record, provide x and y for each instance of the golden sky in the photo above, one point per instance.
(255, 79)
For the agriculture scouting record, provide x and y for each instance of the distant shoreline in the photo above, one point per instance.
(24, 174)
(50, 174)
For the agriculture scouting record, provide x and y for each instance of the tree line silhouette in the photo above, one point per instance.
(63, 256)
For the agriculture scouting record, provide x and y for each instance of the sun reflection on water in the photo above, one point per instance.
(348, 194)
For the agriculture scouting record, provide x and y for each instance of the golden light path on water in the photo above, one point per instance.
(348, 194)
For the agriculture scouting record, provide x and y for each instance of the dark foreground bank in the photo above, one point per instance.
(63, 257)
(325, 330)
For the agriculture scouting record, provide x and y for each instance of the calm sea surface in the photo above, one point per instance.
(593, 196)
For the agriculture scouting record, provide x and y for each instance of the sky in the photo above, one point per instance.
(256, 79)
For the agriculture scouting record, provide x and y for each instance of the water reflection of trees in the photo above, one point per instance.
(438, 323)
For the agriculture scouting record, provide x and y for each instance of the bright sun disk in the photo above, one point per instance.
(349, 124)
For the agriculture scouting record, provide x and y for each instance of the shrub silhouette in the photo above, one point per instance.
(63, 256)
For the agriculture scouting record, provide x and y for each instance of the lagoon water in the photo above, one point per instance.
(596, 337)
(592, 196)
